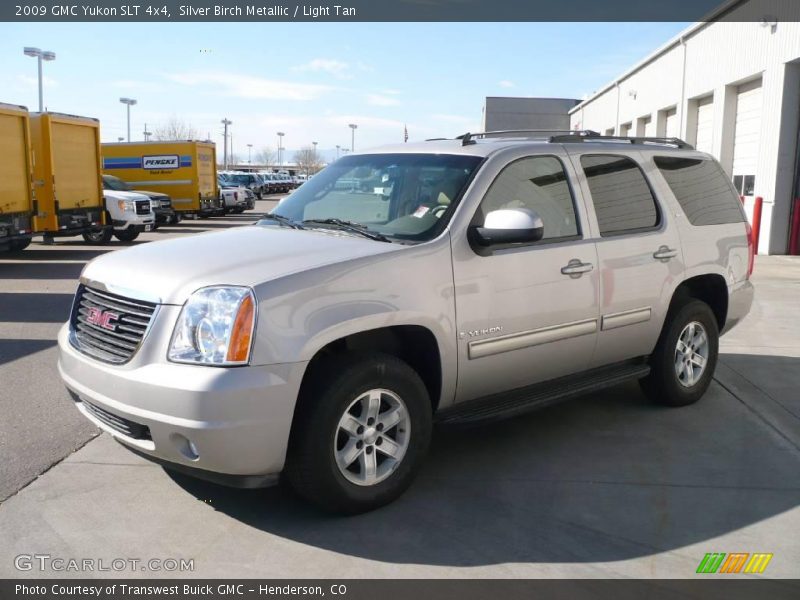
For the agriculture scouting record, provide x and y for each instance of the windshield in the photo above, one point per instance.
(115, 183)
(402, 196)
(241, 179)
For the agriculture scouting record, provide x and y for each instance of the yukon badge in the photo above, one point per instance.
(473, 333)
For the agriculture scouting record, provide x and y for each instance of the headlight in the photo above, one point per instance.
(215, 327)
(126, 205)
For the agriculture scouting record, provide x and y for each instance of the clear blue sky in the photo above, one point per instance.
(311, 79)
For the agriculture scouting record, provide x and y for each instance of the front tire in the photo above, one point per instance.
(685, 357)
(98, 237)
(361, 431)
(126, 235)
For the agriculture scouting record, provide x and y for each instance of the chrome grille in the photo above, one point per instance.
(142, 207)
(109, 327)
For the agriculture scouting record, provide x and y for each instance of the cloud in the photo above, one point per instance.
(505, 83)
(245, 86)
(390, 92)
(381, 100)
(337, 68)
(33, 82)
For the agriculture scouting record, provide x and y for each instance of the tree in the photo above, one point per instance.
(174, 129)
(266, 156)
(308, 160)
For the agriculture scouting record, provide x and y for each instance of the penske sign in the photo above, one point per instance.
(164, 161)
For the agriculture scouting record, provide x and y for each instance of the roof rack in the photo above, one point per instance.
(595, 137)
(469, 138)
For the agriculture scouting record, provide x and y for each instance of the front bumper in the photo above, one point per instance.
(164, 215)
(224, 424)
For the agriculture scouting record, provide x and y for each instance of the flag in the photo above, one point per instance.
(405, 133)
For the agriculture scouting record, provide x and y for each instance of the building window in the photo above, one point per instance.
(621, 196)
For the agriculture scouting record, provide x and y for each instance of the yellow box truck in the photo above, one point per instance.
(16, 192)
(68, 188)
(185, 170)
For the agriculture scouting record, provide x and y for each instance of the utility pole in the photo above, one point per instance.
(353, 127)
(147, 134)
(225, 122)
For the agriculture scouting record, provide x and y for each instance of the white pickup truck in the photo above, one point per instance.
(128, 213)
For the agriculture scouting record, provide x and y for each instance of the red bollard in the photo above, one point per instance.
(794, 232)
(759, 202)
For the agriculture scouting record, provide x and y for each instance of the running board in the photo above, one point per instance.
(521, 400)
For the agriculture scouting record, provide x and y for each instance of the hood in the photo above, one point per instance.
(115, 195)
(152, 195)
(169, 271)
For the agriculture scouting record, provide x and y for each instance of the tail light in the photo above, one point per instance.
(751, 249)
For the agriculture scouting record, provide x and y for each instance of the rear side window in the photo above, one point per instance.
(702, 189)
(621, 196)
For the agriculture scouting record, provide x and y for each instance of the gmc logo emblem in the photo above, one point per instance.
(102, 318)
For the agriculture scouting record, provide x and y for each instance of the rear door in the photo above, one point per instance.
(526, 312)
(639, 254)
(76, 165)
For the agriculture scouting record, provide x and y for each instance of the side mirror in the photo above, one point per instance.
(509, 226)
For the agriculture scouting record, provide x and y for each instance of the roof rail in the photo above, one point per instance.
(469, 138)
(594, 137)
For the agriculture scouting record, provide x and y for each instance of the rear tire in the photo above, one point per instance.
(361, 431)
(126, 235)
(99, 237)
(685, 357)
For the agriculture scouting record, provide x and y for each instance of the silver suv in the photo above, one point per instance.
(449, 281)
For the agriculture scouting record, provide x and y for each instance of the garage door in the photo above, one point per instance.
(747, 137)
(704, 137)
(671, 125)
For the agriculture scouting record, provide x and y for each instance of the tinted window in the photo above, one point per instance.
(702, 188)
(540, 184)
(622, 199)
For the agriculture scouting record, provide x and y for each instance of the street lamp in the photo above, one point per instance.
(353, 126)
(120, 139)
(128, 102)
(40, 56)
(338, 147)
(225, 122)
(280, 148)
(249, 153)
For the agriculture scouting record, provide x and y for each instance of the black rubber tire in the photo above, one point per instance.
(18, 245)
(662, 385)
(311, 468)
(126, 235)
(98, 238)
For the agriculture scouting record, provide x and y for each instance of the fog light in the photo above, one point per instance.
(186, 447)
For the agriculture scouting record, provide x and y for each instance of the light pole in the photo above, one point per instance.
(40, 56)
(128, 102)
(120, 139)
(146, 133)
(353, 127)
(225, 122)
(280, 148)
(338, 147)
(249, 153)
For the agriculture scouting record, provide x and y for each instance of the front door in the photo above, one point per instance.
(526, 313)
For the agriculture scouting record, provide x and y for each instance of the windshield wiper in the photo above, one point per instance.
(350, 226)
(283, 220)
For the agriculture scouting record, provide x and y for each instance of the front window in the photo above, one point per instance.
(115, 183)
(241, 179)
(400, 196)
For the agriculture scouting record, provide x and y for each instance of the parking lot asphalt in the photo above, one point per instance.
(38, 426)
(607, 485)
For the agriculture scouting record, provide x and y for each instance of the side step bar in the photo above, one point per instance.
(521, 400)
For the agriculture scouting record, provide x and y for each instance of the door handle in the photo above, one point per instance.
(665, 253)
(576, 267)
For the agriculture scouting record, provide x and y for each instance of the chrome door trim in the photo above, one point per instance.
(628, 317)
(535, 337)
